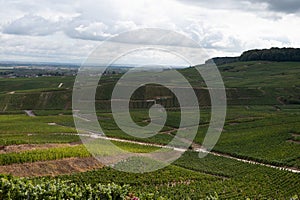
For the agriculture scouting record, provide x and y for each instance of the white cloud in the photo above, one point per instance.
(88, 30)
(31, 25)
(60, 30)
(56, 48)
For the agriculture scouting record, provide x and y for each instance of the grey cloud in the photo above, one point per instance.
(286, 6)
(30, 25)
(283, 39)
(259, 8)
(242, 5)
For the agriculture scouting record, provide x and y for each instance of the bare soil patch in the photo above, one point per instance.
(28, 147)
(294, 141)
(52, 168)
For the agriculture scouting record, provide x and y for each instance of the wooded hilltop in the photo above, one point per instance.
(273, 54)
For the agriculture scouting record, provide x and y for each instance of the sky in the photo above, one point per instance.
(68, 31)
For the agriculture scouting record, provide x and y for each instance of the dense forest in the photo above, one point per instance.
(273, 54)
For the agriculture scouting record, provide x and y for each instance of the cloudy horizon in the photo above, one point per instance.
(60, 31)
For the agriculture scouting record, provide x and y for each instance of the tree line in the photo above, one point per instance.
(273, 54)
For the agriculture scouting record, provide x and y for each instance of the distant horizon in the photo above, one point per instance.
(11, 62)
(19, 63)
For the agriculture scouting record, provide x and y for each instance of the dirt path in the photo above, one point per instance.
(261, 90)
(29, 113)
(196, 148)
(52, 168)
(280, 101)
(72, 165)
(249, 161)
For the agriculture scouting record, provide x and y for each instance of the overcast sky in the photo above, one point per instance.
(67, 31)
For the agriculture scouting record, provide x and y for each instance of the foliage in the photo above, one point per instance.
(197, 178)
(273, 54)
(21, 129)
(19, 188)
(43, 155)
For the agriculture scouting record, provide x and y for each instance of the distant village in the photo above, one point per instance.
(31, 71)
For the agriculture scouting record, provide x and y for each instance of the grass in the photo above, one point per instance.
(33, 125)
(52, 112)
(35, 84)
(67, 152)
(43, 155)
(15, 139)
(20, 129)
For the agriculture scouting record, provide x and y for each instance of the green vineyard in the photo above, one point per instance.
(256, 157)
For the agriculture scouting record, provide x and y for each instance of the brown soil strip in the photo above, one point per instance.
(233, 123)
(52, 168)
(28, 147)
(295, 134)
(280, 101)
(294, 141)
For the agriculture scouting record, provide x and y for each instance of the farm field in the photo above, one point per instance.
(262, 127)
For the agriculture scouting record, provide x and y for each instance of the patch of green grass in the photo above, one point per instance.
(12, 124)
(52, 112)
(41, 138)
(43, 155)
(100, 147)
(20, 129)
(35, 84)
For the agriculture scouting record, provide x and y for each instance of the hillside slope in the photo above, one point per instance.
(247, 83)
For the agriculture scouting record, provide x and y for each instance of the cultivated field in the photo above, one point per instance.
(257, 156)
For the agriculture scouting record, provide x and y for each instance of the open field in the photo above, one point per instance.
(262, 127)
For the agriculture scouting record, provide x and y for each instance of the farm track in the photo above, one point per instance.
(290, 169)
(72, 165)
(30, 113)
(280, 101)
(195, 148)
